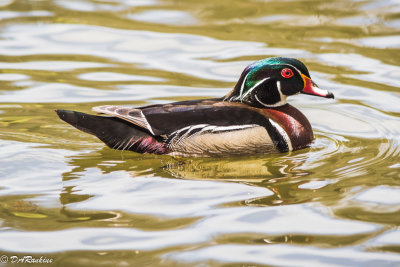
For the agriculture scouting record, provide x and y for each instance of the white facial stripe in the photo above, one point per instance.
(298, 72)
(282, 96)
(255, 86)
(263, 80)
(288, 65)
(277, 104)
(242, 86)
(283, 133)
(278, 85)
(295, 68)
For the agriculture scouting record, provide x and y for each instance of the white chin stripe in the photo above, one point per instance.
(283, 134)
(282, 97)
(277, 104)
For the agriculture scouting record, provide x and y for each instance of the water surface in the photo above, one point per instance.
(65, 196)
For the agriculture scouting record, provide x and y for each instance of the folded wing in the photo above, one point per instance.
(201, 129)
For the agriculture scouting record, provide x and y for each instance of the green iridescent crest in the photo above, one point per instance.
(258, 73)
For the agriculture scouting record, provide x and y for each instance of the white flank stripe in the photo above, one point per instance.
(206, 127)
(283, 133)
(181, 130)
(193, 127)
(233, 127)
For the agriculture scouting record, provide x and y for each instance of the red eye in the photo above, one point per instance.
(287, 73)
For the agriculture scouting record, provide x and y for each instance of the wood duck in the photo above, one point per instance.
(253, 118)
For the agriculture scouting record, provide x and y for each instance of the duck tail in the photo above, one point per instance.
(114, 132)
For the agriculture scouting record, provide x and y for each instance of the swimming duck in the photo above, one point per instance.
(253, 118)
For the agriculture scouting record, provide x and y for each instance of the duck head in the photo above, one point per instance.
(268, 82)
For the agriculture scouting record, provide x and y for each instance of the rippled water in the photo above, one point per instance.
(65, 196)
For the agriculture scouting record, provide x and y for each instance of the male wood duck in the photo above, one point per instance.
(253, 118)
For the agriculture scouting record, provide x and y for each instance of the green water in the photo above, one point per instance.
(65, 196)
